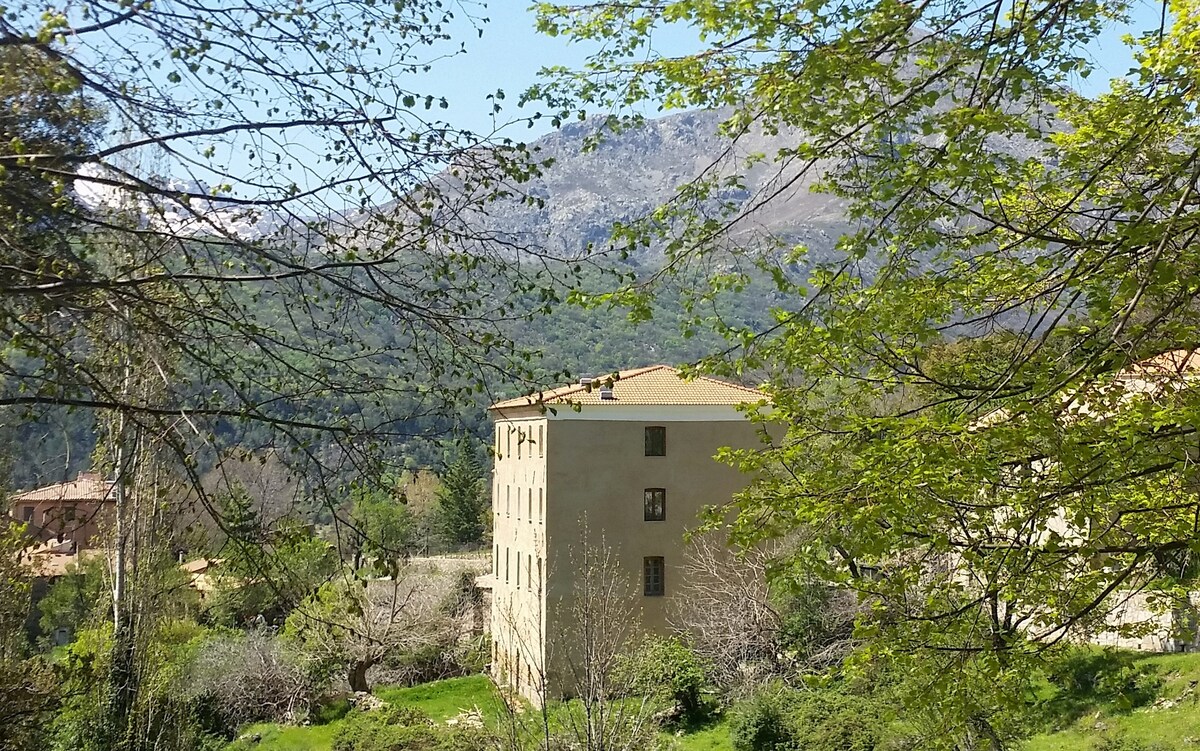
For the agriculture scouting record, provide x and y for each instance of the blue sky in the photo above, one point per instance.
(511, 52)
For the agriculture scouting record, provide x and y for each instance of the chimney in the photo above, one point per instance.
(90, 476)
(606, 394)
(585, 381)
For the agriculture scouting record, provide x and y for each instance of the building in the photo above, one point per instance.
(622, 463)
(1136, 615)
(73, 511)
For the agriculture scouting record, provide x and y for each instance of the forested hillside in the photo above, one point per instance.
(582, 194)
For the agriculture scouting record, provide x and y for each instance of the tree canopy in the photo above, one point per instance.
(964, 447)
(256, 213)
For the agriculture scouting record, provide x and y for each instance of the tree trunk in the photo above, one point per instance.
(357, 676)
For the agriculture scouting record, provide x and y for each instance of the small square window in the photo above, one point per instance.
(27, 514)
(653, 576)
(655, 504)
(656, 440)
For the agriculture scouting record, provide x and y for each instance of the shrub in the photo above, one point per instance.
(1105, 674)
(808, 721)
(252, 677)
(668, 666)
(760, 725)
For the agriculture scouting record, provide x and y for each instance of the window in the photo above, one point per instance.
(541, 441)
(27, 514)
(653, 576)
(69, 514)
(530, 508)
(506, 565)
(541, 510)
(518, 569)
(518, 504)
(520, 440)
(507, 500)
(496, 561)
(656, 440)
(655, 504)
(529, 572)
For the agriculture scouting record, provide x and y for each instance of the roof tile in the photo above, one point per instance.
(653, 385)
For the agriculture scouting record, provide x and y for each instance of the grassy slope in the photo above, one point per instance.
(1169, 725)
(1083, 723)
(442, 700)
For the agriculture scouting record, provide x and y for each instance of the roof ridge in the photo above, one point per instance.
(584, 392)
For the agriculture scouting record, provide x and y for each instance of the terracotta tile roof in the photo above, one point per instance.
(1176, 363)
(653, 385)
(201, 565)
(87, 487)
(1160, 375)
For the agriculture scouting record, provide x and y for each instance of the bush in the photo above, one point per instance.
(760, 725)
(252, 677)
(1091, 674)
(668, 666)
(808, 721)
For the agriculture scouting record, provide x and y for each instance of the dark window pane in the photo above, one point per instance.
(653, 575)
(655, 504)
(656, 441)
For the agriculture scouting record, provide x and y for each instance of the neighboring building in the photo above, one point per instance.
(1133, 619)
(625, 463)
(73, 511)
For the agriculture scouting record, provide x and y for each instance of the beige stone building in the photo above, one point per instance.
(622, 463)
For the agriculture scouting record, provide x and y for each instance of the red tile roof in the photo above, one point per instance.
(87, 487)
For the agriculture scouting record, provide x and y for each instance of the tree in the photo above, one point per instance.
(267, 568)
(383, 529)
(351, 626)
(598, 637)
(462, 506)
(267, 219)
(242, 225)
(750, 626)
(28, 689)
(964, 448)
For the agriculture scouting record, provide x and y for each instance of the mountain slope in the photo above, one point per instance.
(629, 174)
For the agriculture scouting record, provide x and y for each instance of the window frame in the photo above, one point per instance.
(658, 443)
(654, 500)
(654, 576)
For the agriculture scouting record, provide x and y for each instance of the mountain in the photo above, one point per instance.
(630, 173)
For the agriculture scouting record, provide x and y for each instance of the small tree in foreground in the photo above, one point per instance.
(352, 625)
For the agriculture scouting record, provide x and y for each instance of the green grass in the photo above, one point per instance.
(712, 736)
(442, 700)
(288, 738)
(1089, 721)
